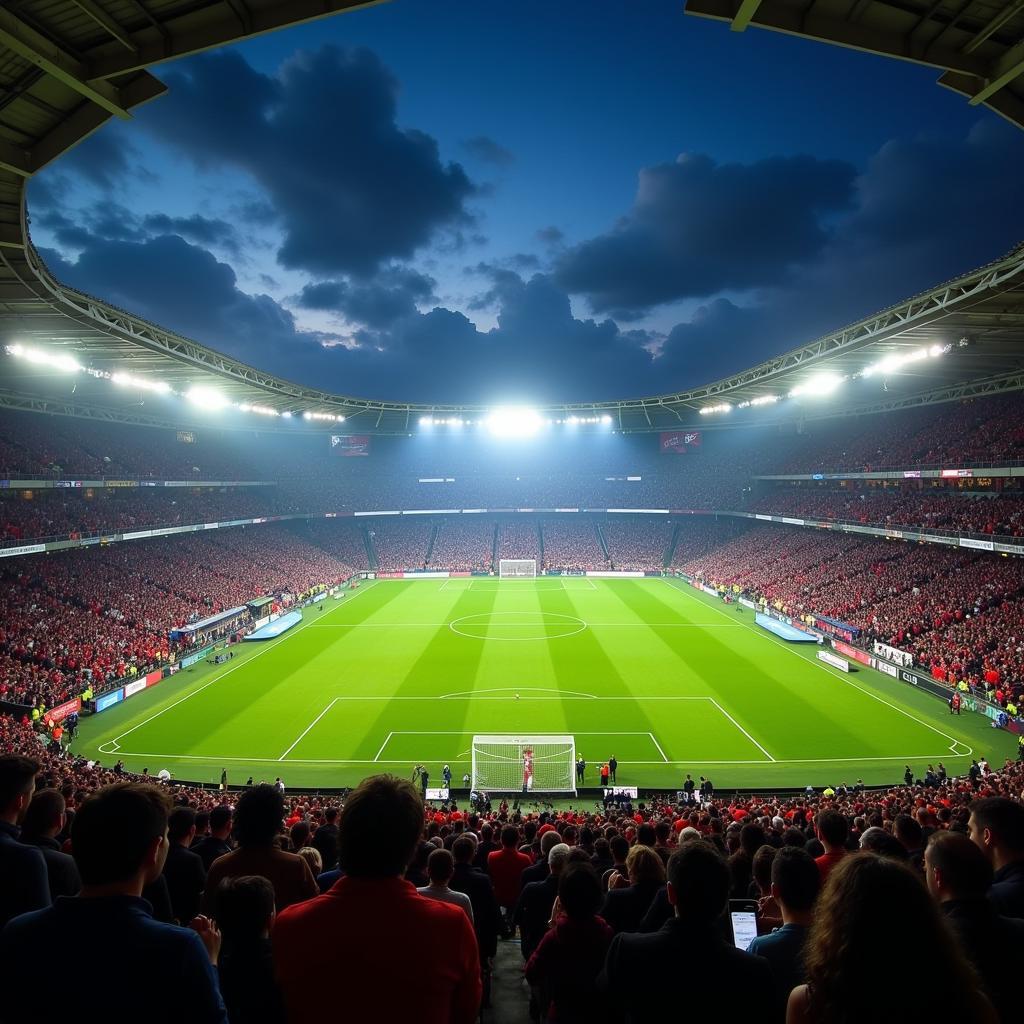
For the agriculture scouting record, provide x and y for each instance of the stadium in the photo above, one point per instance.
(784, 597)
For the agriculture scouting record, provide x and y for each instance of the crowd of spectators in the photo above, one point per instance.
(462, 545)
(959, 612)
(638, 543)
(518, 539)
(572, 545)
(947, 509)
(89, 617)
(402, 544)
(213, 893)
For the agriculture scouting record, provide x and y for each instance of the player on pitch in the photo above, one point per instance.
(527, 770)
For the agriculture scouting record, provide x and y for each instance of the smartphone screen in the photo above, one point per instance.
(744, 928)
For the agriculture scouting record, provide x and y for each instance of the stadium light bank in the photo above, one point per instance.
(205, 398)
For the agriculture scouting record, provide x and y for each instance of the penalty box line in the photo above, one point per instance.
(533, 735)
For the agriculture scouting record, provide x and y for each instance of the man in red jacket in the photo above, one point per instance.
(506, 867)
(388, 953)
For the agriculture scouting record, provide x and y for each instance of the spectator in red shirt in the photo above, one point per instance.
(390, 954)
(506, 867)
(832, 831)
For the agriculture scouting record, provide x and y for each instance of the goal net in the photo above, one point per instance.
(517, 568)
(524, 764)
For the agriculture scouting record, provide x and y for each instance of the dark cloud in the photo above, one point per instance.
(105, 159)
(204, 230)
(391, 295)
(489, 151)
(698, 227)
(182, 287)
(351, 188)
(551, 235)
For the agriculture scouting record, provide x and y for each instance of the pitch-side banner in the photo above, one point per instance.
(350, 444)
(678, 442)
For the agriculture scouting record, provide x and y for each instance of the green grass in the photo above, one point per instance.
(668, 680)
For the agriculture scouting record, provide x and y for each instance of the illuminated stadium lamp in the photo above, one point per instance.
(708, 409)
(54, 360)
(817, 387)
(514, 422)
(606, 420)
(426, 421)
(207, 398)
(126, 380)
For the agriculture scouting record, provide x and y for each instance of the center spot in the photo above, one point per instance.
(517, 626)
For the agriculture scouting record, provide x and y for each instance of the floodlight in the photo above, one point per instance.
(818, 386)
(606, 420)
(514, 422)
(426, 421)
(54, 360)
(207, 398)
(126, 380)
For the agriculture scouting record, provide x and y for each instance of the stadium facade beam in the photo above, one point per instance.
(46, 55)
(106, 22)
(1004, 71)
(206, 28)
(747, 10)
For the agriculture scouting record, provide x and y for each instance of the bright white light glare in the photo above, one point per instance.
(206, 398)
(514, 422)
(261, 410)
(606, 419)
(708, 409)
(817, 387)
(126, 380)
(328, 416)
(892, 363)
(761, 400)
(54, 360)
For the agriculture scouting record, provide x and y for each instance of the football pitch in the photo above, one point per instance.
(664, 678)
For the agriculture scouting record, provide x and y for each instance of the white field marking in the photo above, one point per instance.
(658, 745)
(741, 729)
(512, 689)
(115, 742)
(479, 583)
(533, 735)
(840, 676)
(905, 758)
(383, 745)
(593, 625)
(566, 620)
(308, 727)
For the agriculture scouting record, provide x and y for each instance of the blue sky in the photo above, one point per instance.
(448, 201)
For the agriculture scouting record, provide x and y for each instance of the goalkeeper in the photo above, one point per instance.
(527, 770)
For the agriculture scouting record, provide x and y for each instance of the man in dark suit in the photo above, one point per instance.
(218, 842)
(476, 884)
(23, 870)
(539, 871)
(485, 848)
(698, 888)
(183, 869)
(43, 823)
(997, 829)
(325, 839)
(536, 900)
(959, 876)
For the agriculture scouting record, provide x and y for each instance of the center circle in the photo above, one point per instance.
(517, 626)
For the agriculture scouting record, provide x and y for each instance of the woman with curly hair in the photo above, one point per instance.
(875, 921)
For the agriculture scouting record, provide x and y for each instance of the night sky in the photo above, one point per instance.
(455, 200)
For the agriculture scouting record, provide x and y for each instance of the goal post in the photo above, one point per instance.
(524, 764)
(517, 568)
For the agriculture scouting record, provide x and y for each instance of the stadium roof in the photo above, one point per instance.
(67, 66)
(977, 44)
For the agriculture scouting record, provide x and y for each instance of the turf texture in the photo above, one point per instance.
(666, 679)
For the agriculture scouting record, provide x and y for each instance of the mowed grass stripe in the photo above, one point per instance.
(268, 700)
(444, 661)
(811, 712)
(582, 659)
(756, 687)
